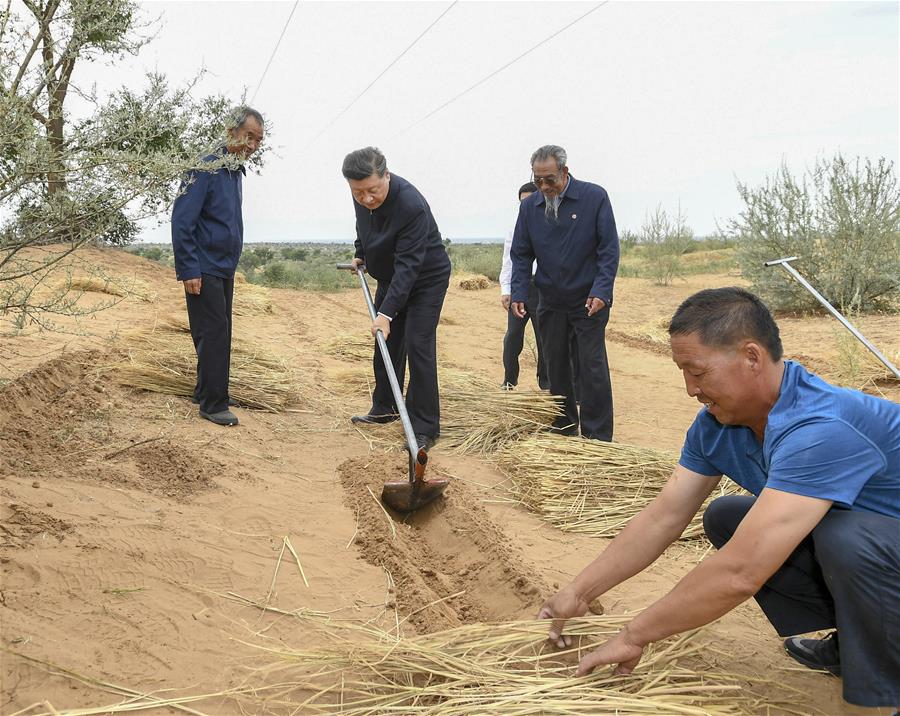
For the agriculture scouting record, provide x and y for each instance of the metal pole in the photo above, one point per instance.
(834, 312)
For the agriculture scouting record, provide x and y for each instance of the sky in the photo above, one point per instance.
(662, 103)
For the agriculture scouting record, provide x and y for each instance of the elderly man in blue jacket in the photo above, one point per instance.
(207, 238)
(569, 228)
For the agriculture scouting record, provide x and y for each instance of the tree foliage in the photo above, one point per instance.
(841, 219)
(68, 178)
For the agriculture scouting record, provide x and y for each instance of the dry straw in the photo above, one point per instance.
(163, 360)
(504, 668)
(476, 416)
(120, 287)
(588, 486)
(349, 346)
(473, 282)
(251, 300)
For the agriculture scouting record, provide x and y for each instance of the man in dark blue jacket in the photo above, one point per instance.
(207, 238)
(398, 241)
(570, 229)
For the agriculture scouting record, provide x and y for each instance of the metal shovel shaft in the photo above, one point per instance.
(834, 312)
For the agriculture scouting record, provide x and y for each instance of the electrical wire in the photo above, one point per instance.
(274, 50)
(498, 70)
(380, 75)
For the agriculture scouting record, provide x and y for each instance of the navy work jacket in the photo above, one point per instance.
(207, 224)
(577, 255)
(399, 243)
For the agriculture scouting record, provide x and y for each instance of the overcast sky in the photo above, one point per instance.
(660, 103)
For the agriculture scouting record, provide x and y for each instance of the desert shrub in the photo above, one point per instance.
(665, 240)
(483, 259)
(841, 219)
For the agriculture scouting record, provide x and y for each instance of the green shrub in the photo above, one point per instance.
(665, 241)
(842, 221)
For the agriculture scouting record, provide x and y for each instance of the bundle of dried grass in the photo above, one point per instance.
(251, 300)
(589, 486)
(500, 669)
(477, 417)
(164, 361)
(474, 282)
(132, 287)
(349, 346)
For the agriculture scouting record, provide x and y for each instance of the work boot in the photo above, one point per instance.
(223, 417)
(818, 654)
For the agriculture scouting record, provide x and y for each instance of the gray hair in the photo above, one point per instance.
(548, 151)
(363, 163)
(239, 115)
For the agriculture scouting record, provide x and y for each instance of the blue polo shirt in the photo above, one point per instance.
(577, 255)
(207, 223)
(821, 441)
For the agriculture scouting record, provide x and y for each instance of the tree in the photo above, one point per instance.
(67, 180)
(665, 240)
(842, 221)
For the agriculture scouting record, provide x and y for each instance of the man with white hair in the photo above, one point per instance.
(569, 228)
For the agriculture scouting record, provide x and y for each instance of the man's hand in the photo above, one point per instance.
(594, 304)
(564, 604)
(518, 309)
(381, 323)
(192, 286)
(505, 301)
(618, 650)
(355, 264)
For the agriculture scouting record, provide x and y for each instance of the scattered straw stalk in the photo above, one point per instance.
(251, 300)
(588, 486)
(164, 361)
(506, 668)
(350, 346)
(121, 287)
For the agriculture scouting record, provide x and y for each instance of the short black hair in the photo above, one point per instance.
(530, 188)
(363, 163)
(724, 316)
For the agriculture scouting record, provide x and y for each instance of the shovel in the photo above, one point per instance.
(402, 496)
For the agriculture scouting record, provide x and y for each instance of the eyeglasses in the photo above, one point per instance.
(548, 180)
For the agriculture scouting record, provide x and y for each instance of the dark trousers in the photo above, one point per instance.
(564, 331)
(845, 575)
(413, 338)
(209, 315)
(515, 339)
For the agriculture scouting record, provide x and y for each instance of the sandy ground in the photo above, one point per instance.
(136, 563)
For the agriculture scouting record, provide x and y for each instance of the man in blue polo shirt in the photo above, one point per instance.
(818, 542)
(207, 238)
(569, 228)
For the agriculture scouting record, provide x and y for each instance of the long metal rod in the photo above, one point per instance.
(389, 367)
(834, 312)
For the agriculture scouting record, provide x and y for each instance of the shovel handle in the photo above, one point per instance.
(392, 376)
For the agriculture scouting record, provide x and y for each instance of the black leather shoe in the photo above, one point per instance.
(425, 442)
(370, 419)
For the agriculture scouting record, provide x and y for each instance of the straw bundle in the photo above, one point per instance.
(476, 416)
(112, 287)
(589, 486)
(506, 668)
(164, 361)
(349, 346)
(474, 283)
(250, 300)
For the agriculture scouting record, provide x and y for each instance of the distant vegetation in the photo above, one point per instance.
(310, 266)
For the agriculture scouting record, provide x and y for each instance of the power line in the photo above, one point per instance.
(498, 70)
(380, 75)
(274, 50)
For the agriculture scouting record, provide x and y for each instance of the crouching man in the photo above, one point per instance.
(818, 542)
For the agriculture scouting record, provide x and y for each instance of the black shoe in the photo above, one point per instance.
(223, 417)
(506, 385)
(820, 654)
(425, 442)
(370, 419)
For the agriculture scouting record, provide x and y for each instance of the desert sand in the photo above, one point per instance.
(138, 563)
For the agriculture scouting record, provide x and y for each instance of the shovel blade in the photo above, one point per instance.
(408, 496)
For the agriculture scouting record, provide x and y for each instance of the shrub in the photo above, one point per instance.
(841, 219)
(666, 240)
